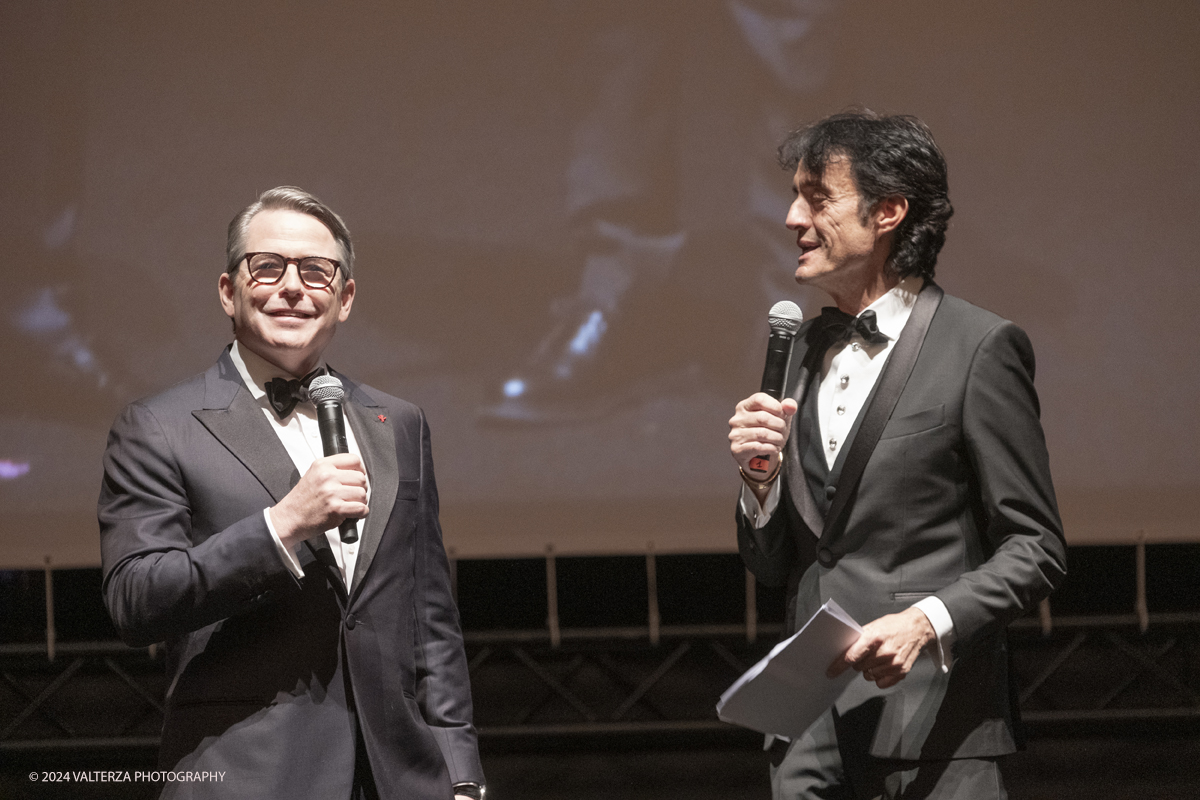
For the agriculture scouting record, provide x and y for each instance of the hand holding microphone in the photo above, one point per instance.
(333, 492)
(762, 422)
(327, 394)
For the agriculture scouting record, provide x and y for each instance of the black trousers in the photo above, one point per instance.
(364, 780)
(832, 761)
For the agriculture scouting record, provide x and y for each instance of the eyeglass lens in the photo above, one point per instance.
(316, 273)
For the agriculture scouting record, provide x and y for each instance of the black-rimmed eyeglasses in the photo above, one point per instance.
(314, 271)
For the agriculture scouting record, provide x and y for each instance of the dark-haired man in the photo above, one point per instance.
(904, 475)
(300, 665)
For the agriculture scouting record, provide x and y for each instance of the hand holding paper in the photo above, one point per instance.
(785, 692)
(887, 648)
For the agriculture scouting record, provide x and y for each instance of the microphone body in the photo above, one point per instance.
(784, 318)
(779, 358)
(327, 395)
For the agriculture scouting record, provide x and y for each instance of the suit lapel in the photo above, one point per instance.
(792, 457)
(236, 420)
(231, 415)
(317, 550)
(887, 393)
(377, 443)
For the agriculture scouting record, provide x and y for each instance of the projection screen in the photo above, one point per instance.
(596, 177)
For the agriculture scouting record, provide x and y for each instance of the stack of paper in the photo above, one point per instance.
(785, 692)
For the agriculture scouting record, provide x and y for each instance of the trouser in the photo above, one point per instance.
(832, 761)
(364, 780)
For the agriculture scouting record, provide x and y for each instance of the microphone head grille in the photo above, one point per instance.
(785, 317)
(324, 388)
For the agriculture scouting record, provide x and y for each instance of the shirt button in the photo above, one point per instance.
(845, 381)
(855, 347)
(841, 409)
(832, 443)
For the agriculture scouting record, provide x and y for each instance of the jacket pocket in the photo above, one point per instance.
(911, 595)
(408, 490)
(915, 423)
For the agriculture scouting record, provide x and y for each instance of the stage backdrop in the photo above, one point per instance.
(587, 179)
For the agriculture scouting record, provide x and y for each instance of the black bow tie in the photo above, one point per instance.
(283, 394)
(838, 327)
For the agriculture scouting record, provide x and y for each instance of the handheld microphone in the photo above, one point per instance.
(327, 394)
(784, 318)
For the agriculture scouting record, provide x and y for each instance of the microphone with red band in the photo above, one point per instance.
(784, 318)
(326, 393)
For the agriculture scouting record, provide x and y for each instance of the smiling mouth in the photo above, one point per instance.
(289, 314)
(807, 247)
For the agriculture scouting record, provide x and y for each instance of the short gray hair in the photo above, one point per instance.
(287, 198)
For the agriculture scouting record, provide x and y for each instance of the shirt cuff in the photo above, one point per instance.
(943, 627)
(286, 556)
(760, 515)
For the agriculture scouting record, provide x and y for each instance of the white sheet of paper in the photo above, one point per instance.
(785, 692)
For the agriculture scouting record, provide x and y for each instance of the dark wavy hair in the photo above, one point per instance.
(888, 155)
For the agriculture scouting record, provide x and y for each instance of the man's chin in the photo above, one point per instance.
(805, 277)
(286, 341)
(295, 334)
(289, 326)
(284, 351)
(815, 275)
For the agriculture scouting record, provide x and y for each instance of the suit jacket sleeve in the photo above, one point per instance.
(160, 582)
(1019, 519)
(443, 686)
(769, 552)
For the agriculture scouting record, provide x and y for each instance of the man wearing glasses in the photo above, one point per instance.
(301, 665)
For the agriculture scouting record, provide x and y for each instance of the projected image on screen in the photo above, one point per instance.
(569, 227)
(641, 106)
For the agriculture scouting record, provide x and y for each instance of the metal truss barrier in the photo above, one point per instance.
(642, 679)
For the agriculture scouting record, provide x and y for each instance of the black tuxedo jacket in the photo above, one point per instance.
(954, 500)
(269, 675)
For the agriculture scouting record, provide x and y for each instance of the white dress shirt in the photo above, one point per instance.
(301, 437)
(848, 374)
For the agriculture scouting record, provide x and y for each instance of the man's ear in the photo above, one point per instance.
(889, 213)
(345, 300)
(225, 289)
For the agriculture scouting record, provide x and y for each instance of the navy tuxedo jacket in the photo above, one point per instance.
(955, 501)
(270, 674)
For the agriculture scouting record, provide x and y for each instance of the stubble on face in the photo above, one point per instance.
(841, 252)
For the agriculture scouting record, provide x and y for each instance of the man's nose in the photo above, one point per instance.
(290, 282)
(797, 216)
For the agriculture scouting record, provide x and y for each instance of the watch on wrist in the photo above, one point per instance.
(763, 485)
(475, 791)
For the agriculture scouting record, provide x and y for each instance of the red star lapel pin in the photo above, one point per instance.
(381, 418)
